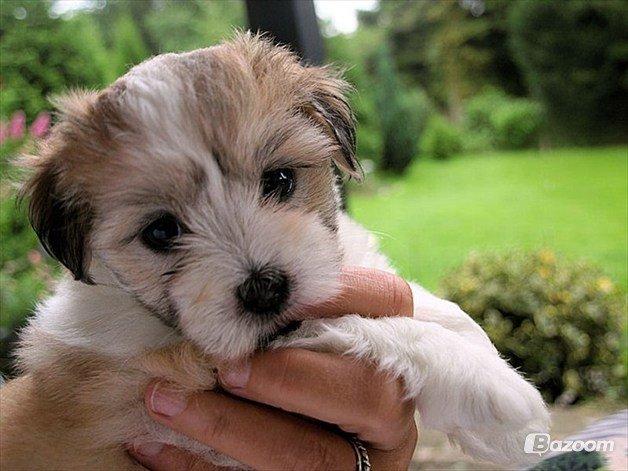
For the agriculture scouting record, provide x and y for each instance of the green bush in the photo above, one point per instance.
(441, 139)
(184, 26)
(369, 136)
(495, 120)
(558, 322)
(480, 108)
(479, 134)
(402, 131)
(517, 124)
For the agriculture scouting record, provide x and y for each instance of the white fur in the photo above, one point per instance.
(450, 368)
(100, 319)
(460, 384)
(462, 389)
(297, 242)
(153, 95)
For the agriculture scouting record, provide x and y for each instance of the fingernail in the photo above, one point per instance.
(236, 376)
(148, 448)
(166, 401)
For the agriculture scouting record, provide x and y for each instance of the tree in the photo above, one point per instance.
(178, 26)
(353, 54)
(401, 116)
(41, 56)
(135, 11)
(390, 115)
(450, 49)
(575, 59)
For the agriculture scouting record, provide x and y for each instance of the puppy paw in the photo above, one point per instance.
(514, 403)
(513, 409)
(183, 364)
(498, 398)
(459, 387)
(505, 448)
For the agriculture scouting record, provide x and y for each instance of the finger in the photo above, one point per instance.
(158, 457)
(253, 434)
(368, 292)
(329, 388)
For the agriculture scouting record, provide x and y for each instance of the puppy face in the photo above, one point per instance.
(202, 184)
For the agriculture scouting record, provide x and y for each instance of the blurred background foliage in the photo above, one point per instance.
(501, 74)
(559, 321)
(483, 124)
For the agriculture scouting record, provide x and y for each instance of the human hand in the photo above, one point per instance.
(279, 405)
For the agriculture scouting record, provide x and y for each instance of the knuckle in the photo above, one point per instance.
(384, 419)
(282, 375)
(381, 418)
(399, 296)
(388, 412)
(215, 426)
(390, 397)
(288, 356)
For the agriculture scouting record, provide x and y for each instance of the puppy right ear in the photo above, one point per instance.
(62, 225)
(330, 107)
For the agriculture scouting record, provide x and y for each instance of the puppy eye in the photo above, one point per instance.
(161, 234)
(278, 183)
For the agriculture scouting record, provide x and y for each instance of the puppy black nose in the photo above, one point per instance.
(265, 291)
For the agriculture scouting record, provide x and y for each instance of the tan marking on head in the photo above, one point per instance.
(192, 135)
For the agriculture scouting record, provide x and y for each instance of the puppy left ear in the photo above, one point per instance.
(330, 107)
(57, 208)
(61, 225)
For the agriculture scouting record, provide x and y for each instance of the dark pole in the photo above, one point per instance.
(289, 22)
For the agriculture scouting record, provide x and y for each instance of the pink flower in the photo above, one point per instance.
(17, 125)
(34, 257)
(41, 125)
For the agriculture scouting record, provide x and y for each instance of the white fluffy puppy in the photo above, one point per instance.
(195, 203)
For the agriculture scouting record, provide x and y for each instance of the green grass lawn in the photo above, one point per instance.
(573, 201)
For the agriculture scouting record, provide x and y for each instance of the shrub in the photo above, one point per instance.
(480, 109)
(355, 54)
(441, 139)
(402, 115)
(496, 120)
(183, 26)
(369, 143)
(369, 136)
(517, 124)
(559, 322)
(402, 131)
